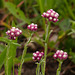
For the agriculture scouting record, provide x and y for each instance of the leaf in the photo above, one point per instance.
(51, 44)
(13, 24)
(10, 55)
(2, 47)
(65, 25)
(17, 1)
(27, 58)
(16, 12)
(39, 41)
(4, 39)
(2, 57)
(1, 3)
(72, 56)
(20, 24)
(8, 41)
(50, 54)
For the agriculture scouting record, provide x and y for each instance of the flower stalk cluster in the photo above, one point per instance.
(51, 15)
(32, 27)
(13, 33)
(37, 55)
(60, 54)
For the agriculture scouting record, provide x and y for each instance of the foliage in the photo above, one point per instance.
(30, 11)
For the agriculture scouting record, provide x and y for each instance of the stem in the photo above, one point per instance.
(13, 66)
(59, 68)
(42, 67)
(46, 44)
(38, 69)
(6, 63)
(24, 53)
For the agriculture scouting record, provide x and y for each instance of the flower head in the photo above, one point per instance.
(13, 33)
(51, 15)
(32, 27)
(37, 55)
(60, 54)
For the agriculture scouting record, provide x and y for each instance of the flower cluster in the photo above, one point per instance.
(51, 15)
(32, 27)
(37, 55)
(60, 54)
(13, 33)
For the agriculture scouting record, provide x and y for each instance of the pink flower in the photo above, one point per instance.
(60, 54)
(51, 15)
(13, 33)
(32, 27)
(37, 55)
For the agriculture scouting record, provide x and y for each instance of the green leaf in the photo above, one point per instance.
(2, 47)
(17, 1)
(2, 57)
(3, 39)
(16, 12)
(65, 24)
(1, 3)
(13, 24)
(10, 55)
(72, 56)
(27, 58)
(39, 41)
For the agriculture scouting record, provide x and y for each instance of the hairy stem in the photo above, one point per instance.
(46, 46)
(24, 53)
(59, 68)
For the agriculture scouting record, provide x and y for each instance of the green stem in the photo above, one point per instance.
(24, 53)
(59, 68)
(69, 10)
(6, 61)
(42, 67)
(38, 69)
(46, 46)
(13, 66)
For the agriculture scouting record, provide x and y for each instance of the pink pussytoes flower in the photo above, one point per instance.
(37, 55)
(32, 27)
(51, 15)
(13, 33)
(60, 54)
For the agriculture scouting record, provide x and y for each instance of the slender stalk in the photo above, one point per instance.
(38, 69)
(6, 63)
(24, 53)
(13, 66)
(59, 68)
(46, 47)
(42, 67)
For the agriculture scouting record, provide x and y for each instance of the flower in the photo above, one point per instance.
(13, 33)
(37, 55)
(32, 27)
(60, 54)
(51, 15)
